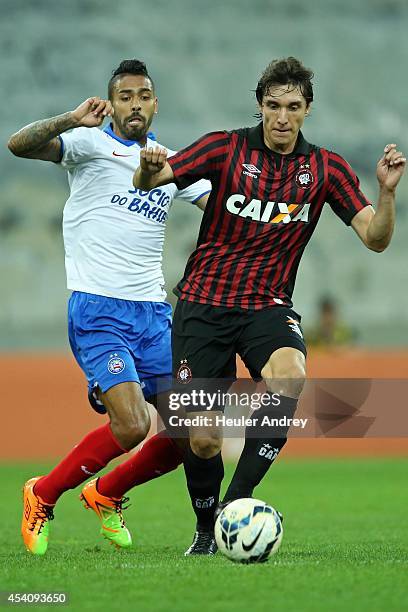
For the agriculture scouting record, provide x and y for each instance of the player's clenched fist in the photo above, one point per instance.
(92, 112)
(391, 167)
(152, 160)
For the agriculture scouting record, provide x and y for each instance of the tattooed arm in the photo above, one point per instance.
(40, 140)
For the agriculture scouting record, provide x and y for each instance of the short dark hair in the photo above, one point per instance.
(286, 71)
(132, 66)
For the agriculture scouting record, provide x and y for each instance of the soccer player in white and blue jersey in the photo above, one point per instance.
(119, 321)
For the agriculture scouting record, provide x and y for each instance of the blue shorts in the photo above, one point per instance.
(116, 341)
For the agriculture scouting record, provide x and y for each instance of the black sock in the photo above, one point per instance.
(262, 446)
(204, 477)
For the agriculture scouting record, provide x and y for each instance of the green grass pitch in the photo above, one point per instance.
(345, 546)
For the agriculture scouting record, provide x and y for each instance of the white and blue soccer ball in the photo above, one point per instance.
(248, 531)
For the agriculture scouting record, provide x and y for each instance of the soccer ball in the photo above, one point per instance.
(248, 531)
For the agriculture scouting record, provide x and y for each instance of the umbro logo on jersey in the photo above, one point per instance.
(267, 212)
(120, 154)
(251, 170)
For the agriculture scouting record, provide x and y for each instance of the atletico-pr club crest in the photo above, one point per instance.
(304, 177)
(184, 374)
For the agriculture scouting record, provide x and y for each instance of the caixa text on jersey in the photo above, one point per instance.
(267, 212)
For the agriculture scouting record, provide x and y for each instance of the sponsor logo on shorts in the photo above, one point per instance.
(184, 374)
(294, 325)
(116, 365)
(304, 177)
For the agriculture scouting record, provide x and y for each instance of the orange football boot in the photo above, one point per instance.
(109, 511)
(36, 516)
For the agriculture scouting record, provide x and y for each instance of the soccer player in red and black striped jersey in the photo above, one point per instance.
(269, 188)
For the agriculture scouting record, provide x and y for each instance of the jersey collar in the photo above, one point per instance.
(128, 143)
(256, 141)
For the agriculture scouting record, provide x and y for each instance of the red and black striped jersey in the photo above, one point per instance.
(261, 214)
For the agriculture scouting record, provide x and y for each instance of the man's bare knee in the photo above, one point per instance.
(206, 447)
(289, 387)
(131, 431)
(285, 372)
(129, 414)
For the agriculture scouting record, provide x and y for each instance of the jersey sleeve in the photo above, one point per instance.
(344, 194)
(195, 191)
(200, 160)
(77, 146)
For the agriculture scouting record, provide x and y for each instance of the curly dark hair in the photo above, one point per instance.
(286, 71)
(132, 66)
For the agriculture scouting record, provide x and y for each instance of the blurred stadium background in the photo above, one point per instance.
(205, 60)
(345, 542)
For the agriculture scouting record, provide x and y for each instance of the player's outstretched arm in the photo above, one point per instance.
(39, 140)
(153, 170)
(375, 228)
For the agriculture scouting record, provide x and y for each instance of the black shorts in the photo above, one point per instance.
(206, 339)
